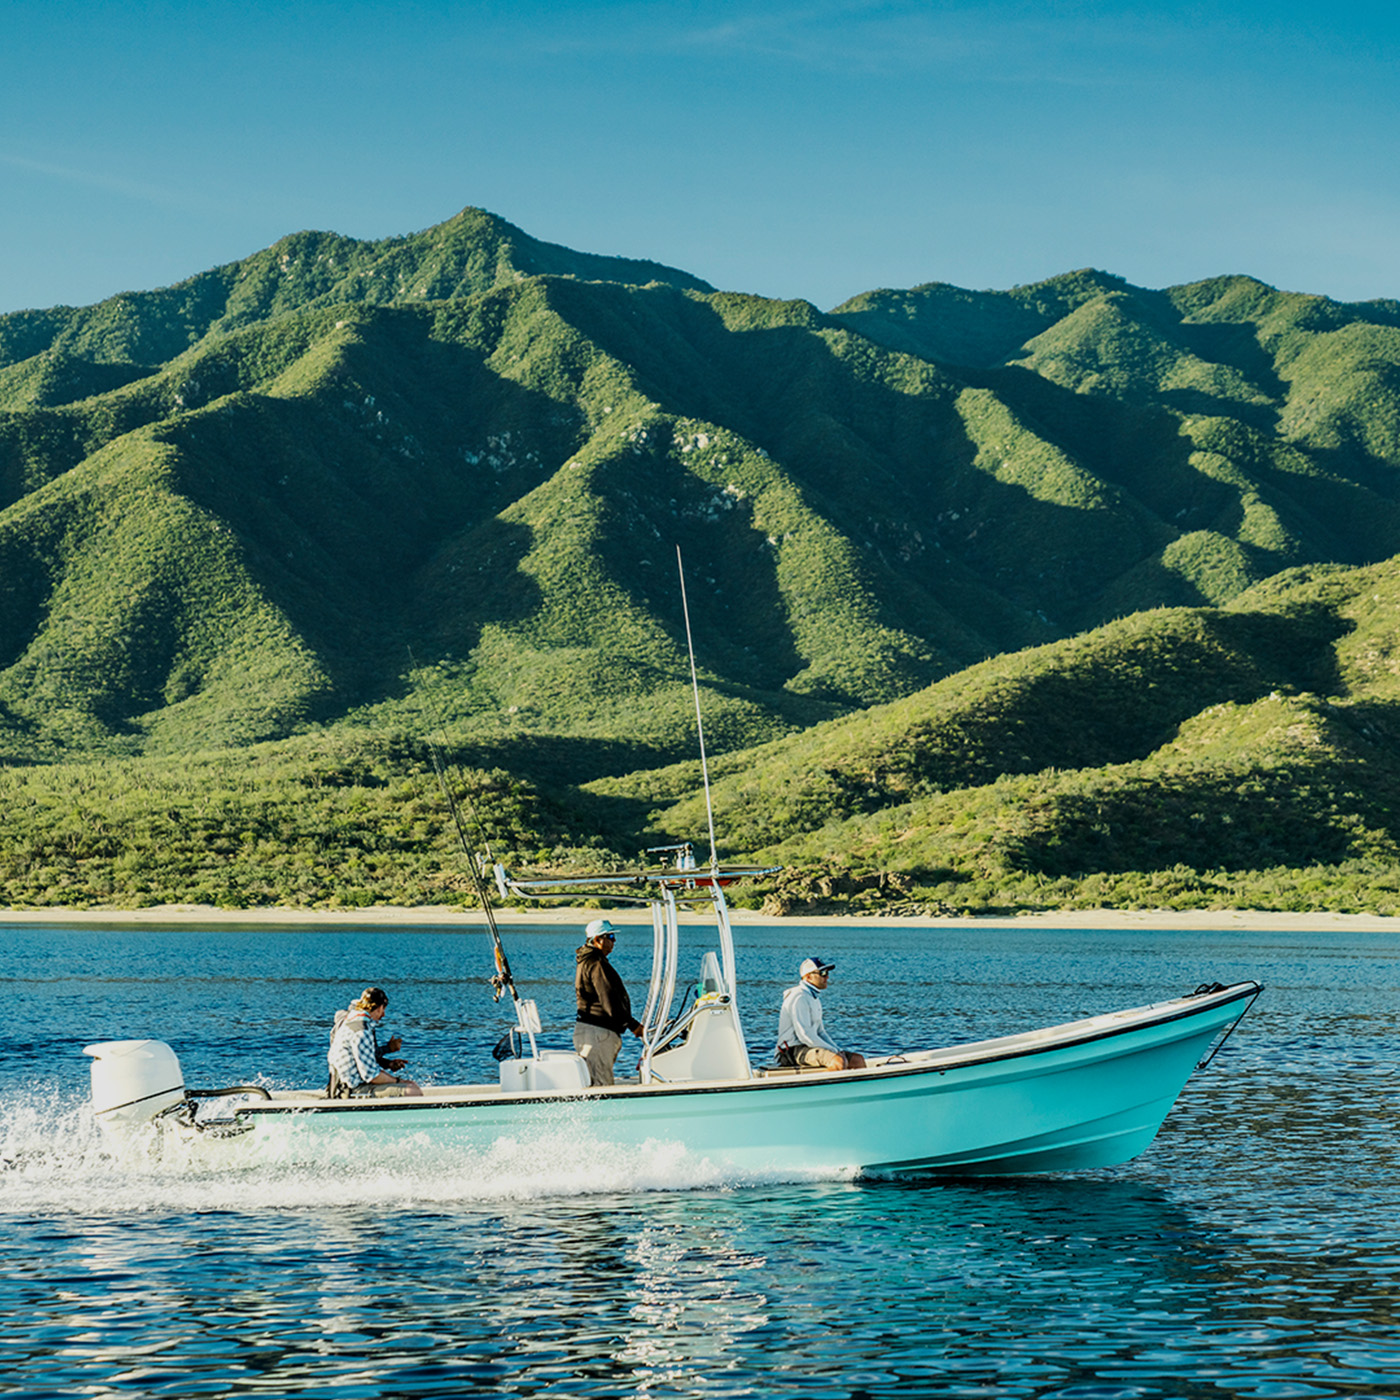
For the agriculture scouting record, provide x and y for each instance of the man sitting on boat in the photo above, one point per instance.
(355, 1061)
(604, 1008)
(802, 1039)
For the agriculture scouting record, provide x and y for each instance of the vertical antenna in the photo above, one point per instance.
(699, 723)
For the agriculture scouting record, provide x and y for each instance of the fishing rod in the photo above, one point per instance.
(502, 981)
(527, 1016)
(699, 722)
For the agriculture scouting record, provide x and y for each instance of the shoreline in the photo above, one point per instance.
(448, 916)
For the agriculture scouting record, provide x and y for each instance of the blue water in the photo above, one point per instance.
(1253, 1250)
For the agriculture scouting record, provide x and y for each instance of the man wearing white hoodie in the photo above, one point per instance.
(802, 1039)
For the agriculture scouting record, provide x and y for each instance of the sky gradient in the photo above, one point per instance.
(793, 148)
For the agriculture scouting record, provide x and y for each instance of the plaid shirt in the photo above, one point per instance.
(354, 1052)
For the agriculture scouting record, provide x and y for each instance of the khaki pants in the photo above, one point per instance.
(809, 1057)
(599, 1049)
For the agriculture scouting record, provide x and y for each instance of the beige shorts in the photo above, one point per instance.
(383, 1091)
(809, 1057)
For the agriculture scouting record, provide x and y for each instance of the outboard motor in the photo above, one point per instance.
(133, 1081)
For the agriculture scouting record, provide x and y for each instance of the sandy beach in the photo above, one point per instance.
(445, 916)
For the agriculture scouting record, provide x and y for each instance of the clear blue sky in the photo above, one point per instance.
(812, 148)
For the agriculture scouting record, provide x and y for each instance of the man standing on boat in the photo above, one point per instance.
(802, 1039)
(604, 1008)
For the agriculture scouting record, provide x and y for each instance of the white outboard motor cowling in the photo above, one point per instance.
(133, 1081)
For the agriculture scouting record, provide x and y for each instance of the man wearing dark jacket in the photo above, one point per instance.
(604, 1008)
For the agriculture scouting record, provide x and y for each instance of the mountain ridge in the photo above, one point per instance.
(473, 252)
(345, 487)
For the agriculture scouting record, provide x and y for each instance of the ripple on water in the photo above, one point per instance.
(1251, 1252)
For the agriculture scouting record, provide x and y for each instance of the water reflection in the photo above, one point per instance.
(1028, 1288)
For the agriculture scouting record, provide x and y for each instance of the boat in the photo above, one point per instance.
(1089, 1093)
(1086, 1094)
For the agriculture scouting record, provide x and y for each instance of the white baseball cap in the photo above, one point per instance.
(597, 929)
(815, 965)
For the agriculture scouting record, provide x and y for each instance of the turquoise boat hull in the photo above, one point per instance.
(1087, 1094)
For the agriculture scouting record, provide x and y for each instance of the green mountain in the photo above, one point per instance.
(1197, 755)
(340, 492)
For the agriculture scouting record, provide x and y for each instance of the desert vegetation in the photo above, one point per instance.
(1078, 593)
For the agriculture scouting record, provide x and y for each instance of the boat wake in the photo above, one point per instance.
(55, 1160)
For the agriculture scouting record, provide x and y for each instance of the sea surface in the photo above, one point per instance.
(1253, 1250)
